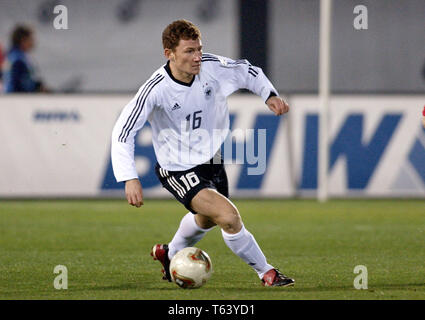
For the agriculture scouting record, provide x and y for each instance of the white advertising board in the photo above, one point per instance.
(59, 146)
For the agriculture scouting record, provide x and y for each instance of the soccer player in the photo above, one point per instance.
(185, 103)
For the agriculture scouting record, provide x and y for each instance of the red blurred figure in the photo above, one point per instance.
(2, 57)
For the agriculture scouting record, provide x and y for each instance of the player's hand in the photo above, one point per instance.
(277, 105)
(134, 192)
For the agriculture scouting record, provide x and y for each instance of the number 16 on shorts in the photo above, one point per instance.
(190, 180)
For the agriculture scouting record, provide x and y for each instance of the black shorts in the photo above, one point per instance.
(184, 185)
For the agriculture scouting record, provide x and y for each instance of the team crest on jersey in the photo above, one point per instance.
(208, 91)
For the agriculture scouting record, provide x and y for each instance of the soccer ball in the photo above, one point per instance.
(191, 268)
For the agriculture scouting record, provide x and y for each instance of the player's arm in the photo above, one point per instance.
(130, 121)
(240, 74)
(122, 155)
(257, 82)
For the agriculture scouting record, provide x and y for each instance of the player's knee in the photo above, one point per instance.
(230, 221)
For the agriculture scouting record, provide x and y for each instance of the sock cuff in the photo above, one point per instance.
(234, 236)
(206, 230)
(198, 228)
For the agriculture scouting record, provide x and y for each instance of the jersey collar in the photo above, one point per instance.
(167, 68)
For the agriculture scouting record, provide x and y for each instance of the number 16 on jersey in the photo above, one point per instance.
(196, 120)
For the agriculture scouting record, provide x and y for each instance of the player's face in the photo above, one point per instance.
(187, 57)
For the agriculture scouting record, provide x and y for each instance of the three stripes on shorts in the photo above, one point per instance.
(173, 182)
(189, 180)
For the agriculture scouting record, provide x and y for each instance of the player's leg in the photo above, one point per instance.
(224, 213)
(188, 234)
(191, 230)
(193, 227)
(211, 208)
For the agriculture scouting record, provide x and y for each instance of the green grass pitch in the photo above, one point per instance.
(105, 246)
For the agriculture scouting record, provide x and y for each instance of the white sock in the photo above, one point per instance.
(187, 235)
(244, 245)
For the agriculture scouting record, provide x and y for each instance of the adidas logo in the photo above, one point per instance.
(176, 106)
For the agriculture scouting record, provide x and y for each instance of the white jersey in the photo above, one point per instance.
(189, 121)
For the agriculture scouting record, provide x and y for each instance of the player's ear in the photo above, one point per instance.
(169, 54)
